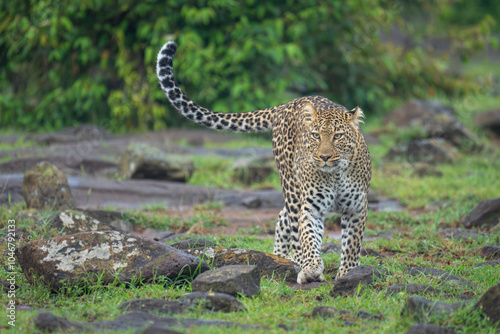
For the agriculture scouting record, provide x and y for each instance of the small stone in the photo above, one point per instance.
(160, 306)
(428, 329)
(485, 215)
(492, 263)
(45, 187)
(490, 304)
(48, 323)
(328, 312)
(193, 243)
(214, 301)
(460, 233)
(365, 315)
(232, 280)
(356, 276)
(420, 308)
(490, 252)
(443, 275)
(412, 289)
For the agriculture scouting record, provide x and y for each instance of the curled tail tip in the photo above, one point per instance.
(168, 50)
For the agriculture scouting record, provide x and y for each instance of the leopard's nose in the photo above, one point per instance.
(325, 157)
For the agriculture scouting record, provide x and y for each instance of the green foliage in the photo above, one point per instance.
(67, 63)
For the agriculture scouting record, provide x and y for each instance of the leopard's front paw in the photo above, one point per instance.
(308, 275)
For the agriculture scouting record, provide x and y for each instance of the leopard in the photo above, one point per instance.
(322, 160)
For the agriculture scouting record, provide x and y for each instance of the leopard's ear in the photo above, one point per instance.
(309, 113)
(356, 116)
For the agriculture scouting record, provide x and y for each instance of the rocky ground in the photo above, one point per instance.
(96, 209)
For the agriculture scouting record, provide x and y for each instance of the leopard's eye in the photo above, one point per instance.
(337, 135)
(315, 135)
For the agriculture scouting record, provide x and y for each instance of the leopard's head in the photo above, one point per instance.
(333, 134)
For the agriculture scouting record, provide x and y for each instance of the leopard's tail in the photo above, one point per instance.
(252, 121)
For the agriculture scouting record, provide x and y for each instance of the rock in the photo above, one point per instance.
(489, 120)
(435, 120)
(490, 252)
(371, 252)
(45, 187)
(165, 236)
(75, 258)
(328, 312)
(460, 233)
(485, 215)
(331, 248)
(365, 315)
(253, 170)
(431, 151)
(131, 322)
(141, 161)
(422, 169)
(488, 263)
(211, 301)
(214, 301)
(422, 309)
(193, 243)
(76, 221)
(489, 303)
(443, 275)
(412, 289)
(270, 265)
(232, 280)
(428, 329)
(155, 306)
(48, 323)
(360, 275)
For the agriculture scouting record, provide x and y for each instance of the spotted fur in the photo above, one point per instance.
(323, 163)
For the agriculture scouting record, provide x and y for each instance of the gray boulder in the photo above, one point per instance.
(109, 255)
(232, 280)
(435, 119)
(485, 215)
(141, 161)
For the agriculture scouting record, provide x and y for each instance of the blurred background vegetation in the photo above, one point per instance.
(93, 61)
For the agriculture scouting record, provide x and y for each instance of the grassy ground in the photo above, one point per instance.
(432, 203)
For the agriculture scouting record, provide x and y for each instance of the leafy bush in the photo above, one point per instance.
(69, 62)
